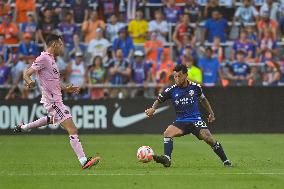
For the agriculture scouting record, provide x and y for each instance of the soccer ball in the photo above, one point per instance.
(145, 154)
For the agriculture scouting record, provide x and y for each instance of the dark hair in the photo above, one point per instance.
(209, 49)
(52, 38)
(180, 67)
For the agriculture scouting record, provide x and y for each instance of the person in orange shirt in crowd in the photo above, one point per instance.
(4, 8)
(9, 30)
(151, 48)
(22, 8)
(183, 29)
(163, 68)
(266, 22)
(90, 25)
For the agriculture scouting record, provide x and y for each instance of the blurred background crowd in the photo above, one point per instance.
(128, 48)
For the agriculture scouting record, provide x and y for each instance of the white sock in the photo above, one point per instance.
(83, 160)
(25, 128)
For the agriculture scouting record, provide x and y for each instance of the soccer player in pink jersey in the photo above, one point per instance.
(47, 73)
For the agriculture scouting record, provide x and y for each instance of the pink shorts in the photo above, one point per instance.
(58, 111)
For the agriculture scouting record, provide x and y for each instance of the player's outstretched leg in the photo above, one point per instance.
(215, 145)
(37, 123)
(169, 134)
(77, 146)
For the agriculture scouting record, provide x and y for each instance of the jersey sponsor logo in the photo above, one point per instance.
(184, 101)
(120, 122)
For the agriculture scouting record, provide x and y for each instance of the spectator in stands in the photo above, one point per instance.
(193, 10)
(113, 28)
(183, 29)
(120, 74)
(271, 71)
(211, 6)
(271, 7)
(76, 74)
(163, 68)
(29, 26)
(193, 72)
(267, 42)
(79, 10)
(216, 26)
(68, 29)
(246, 13)
(10, 30)
(47, 25)
(240, 72)
(138, 28)
(242, 44)
(28, 50)
(4, 8)
(172, 12)
(97, 75)
(98, 46)
(4, 72)
(107, 8)
(160, 26)
(140, 68)
(189, 50)
(90, 25)
(22, 8)
(266, 22)
(140, 73)
(252, 37)
(152, 47)
(218, 51)
(123, 42)
(77, 46)
(5, 51)
(210, 68)
(17, 81)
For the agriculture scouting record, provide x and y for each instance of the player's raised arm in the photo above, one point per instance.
(27, 77)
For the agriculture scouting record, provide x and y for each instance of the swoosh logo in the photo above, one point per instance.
(121, 122)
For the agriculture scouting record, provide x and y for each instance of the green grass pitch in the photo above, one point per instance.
(39, 161)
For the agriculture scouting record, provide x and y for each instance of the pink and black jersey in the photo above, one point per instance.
(47, 73)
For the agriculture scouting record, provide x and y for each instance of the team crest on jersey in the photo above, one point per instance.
(177, 102)
(191, 92)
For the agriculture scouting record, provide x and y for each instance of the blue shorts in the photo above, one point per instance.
(191, 127)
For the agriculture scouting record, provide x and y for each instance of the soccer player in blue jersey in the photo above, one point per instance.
(185, 96)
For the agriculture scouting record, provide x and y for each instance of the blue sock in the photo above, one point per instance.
(168, 147)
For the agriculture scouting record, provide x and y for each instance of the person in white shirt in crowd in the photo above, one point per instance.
(113, 27)
(98, 46)
(246, 13)
(160, 26)
(272, 8)
(76, 73)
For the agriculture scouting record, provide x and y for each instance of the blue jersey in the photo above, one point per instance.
(185, 101)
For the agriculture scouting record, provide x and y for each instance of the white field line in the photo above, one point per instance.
(130, 174)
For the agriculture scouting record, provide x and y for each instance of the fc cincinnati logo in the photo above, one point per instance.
(191, 92)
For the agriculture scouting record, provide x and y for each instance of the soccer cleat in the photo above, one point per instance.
(227, 163)
(18, 129)
(163, 160)
(91, 162)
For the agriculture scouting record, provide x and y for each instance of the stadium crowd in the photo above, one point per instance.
(126, 48)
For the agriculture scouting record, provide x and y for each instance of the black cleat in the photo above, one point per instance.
(227, 163)
(163, 160)
(17, 129)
